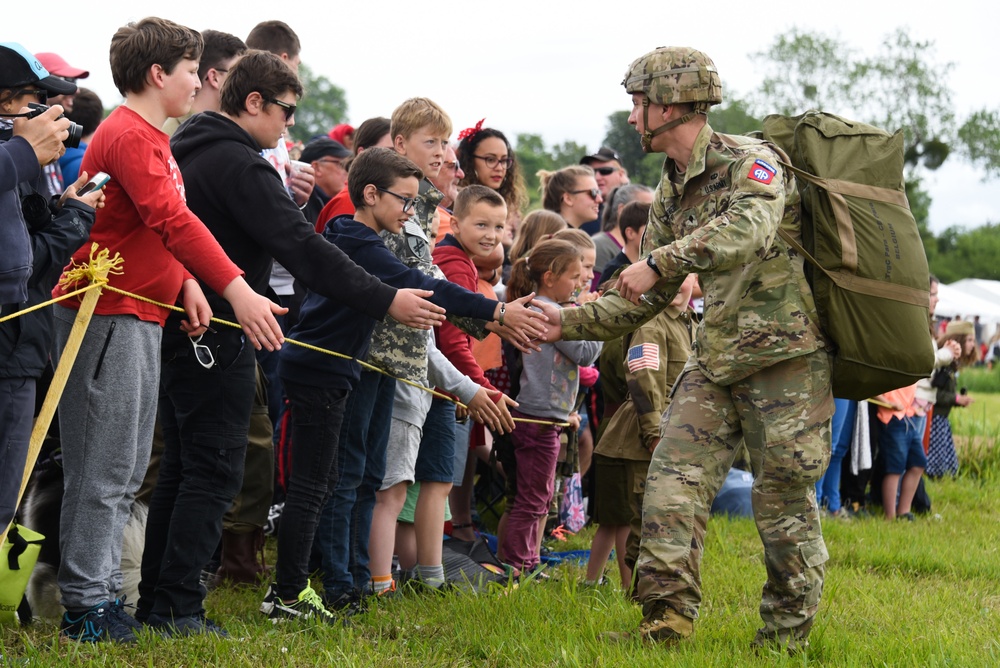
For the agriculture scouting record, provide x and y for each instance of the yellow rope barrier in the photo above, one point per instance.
(102, 264)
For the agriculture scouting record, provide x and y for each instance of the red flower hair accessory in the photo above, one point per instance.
(470, 132)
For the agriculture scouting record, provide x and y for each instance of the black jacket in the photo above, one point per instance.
(242, 200)
(25, 342)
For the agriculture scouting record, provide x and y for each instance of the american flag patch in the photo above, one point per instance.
(644, 356)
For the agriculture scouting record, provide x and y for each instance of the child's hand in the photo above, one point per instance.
(489, 407)
(574, 421)
(963, 399)
(255, 313)
(199, 313)
(585, 297)
(411, 308)
(529, 323)
(955, 348)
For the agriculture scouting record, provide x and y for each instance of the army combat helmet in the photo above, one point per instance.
(673, 75)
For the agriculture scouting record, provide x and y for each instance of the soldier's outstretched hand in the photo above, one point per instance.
(635, 280)
(554, 327)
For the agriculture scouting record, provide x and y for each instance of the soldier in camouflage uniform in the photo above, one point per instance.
(760, 370)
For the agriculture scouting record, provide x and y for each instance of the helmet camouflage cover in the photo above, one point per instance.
(675, 75)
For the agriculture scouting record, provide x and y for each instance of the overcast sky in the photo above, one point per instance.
(549, 67)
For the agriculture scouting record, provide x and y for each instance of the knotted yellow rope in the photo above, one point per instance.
(102, 264)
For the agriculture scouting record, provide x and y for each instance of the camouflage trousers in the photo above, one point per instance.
(783, 414)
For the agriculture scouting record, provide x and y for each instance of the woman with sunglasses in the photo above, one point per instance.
(487, 159)
(571, 192)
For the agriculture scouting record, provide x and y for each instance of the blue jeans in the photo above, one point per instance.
(346, 521)
(317, 417)
(842, 427)
(205, 415)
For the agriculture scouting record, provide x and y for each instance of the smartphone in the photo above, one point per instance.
(96, 182)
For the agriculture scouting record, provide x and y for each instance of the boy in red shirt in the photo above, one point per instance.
(107, 421)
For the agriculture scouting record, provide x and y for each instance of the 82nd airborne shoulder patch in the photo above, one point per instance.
(761, 172)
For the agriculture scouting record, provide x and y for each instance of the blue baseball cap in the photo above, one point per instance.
(19, 67)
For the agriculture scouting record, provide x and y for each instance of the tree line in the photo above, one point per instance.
(901, 86)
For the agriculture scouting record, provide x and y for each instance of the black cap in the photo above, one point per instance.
(322, 147)
(18, 67)
(606, 154)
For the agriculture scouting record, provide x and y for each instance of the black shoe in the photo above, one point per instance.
(187, 625)
(96, 624)
(308, 606)
(350, 602)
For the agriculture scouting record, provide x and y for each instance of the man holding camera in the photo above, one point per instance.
(36, 142)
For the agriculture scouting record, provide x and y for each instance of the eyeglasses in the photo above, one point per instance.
(331, 161)
(408, 202)
(492, 161)
(289, 108)
(453, 165)
(606, 171)
(41, 95)
(593, 192)
(202, 353)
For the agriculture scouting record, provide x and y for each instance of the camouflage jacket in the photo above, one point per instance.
(396, 348)
(720, 220)
(653, 357)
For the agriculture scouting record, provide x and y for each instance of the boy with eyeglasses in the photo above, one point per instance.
(207, 391)
(419, 130)
(327, 394)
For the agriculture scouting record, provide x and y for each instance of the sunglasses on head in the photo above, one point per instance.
(606, 171)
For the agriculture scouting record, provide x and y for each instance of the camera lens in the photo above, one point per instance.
(75, 135)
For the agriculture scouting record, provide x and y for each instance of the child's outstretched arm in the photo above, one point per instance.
(411, 308)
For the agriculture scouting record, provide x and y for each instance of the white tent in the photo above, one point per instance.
(955, 301)
(980, 287)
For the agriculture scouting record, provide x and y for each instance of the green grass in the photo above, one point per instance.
(980, 379)
(922, 594)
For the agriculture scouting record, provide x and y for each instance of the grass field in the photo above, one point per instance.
(902, 594)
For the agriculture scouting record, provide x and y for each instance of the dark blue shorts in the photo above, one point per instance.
(902, 444)
(436, 457)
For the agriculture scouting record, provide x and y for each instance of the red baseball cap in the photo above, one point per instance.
(58, 66)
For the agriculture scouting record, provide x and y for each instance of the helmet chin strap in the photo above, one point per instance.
(646, 139)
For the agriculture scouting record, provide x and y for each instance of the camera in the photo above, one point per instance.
(75, 130)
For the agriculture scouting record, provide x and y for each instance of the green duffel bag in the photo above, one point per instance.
(866, 261)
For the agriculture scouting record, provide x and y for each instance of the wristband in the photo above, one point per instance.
(503, 310)
(651, 263)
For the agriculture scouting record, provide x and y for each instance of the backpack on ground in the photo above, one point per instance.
(869, 272)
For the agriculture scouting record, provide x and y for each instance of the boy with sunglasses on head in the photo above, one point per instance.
(332, 399)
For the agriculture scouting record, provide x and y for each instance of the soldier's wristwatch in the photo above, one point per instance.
(651, 263)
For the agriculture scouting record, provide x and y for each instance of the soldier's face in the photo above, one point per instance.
(638, 118)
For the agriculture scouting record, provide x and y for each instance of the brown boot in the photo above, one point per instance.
(243, 557)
